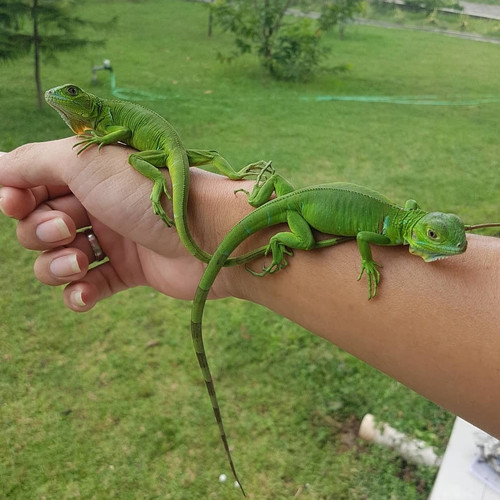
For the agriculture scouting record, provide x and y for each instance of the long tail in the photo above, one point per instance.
(269, 214)
(249, 225)
(197, 336)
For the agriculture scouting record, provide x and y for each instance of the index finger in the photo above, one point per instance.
(35, 164)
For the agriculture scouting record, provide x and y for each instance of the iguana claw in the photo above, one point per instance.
(266, 169)
(90, 138)
(158, 210)
(259, 166)
(278, 251)
(372, 274)
(159, 188)
(241, 190)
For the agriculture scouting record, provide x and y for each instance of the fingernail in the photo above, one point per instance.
(53, 230)
(67, 265)
(1, 207)
(76, 298)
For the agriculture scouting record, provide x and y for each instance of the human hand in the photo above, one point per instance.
(53, 193)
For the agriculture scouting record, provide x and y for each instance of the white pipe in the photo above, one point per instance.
(412, 450)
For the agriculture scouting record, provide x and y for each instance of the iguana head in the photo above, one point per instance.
(77, 108)
(437, 235)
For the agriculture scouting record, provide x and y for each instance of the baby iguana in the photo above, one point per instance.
(101, 122)
(346, 210)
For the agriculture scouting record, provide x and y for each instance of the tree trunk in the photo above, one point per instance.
(210, 19)
(36, 48)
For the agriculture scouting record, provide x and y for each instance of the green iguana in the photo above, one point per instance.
(101, 122)
(345, 210)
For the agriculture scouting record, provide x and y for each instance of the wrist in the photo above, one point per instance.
(214, 209)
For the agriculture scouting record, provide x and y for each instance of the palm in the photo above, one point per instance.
(170, 270)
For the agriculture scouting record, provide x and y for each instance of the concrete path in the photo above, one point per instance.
(457, 34)
(481, 10)
(471, 9)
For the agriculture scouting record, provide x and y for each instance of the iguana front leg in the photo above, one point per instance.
(112, 135)
(364, 238)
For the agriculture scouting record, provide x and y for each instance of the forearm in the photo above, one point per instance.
(433, 326)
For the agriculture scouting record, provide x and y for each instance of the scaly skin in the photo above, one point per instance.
(101, 122)
(345, 210)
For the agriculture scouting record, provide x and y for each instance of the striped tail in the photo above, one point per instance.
(197, 337)
(258, 219)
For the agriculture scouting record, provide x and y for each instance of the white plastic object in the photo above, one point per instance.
(415, 451)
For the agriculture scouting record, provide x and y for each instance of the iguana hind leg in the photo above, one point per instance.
(201, 157)
(148, 164)
(299, 237)
(262, 192)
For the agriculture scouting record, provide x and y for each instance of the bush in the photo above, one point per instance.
(296, 51)
(289, 47)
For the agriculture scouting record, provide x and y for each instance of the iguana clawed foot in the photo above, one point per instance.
(265, 170)
(252, 168)
(372, 274)
(160, 188)
(90, 138)
(278, 251)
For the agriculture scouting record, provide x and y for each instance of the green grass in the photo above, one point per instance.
(89, 410)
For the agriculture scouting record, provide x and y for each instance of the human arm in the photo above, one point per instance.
(432, 326)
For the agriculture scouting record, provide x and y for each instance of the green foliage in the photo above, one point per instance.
(339, 13)
(57, 24)
(13, 44)
(295, 51)
(44, 27)
(289, 47)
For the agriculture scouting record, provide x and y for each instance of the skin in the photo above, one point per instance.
(446, 346)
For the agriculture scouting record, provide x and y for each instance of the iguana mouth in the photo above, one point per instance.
(430, 256)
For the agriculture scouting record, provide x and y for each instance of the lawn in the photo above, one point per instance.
(111, 404)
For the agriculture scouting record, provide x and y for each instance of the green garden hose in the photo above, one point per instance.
(132, 95)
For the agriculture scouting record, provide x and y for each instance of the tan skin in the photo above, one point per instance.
(433, 326)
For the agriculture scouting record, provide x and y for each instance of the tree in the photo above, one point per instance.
(40, 27)
(339, 13)
(286, 38)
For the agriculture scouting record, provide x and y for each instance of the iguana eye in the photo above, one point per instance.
(432, 234)
(72, 91)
